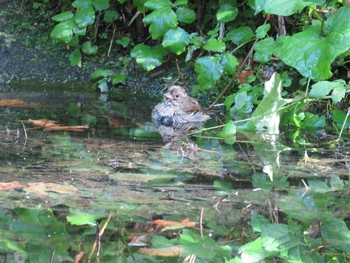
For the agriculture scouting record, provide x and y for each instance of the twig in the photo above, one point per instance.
(201, 222)
(25, 131)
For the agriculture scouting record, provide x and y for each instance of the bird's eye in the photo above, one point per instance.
(177, 95)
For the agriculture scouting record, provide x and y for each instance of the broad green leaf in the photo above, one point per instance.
(264, 49)
(158, 4)
(118, 78)
(85, 17)
(161, 20)
(209, 70)
(214, 45)
(338, 116)
(226, 13)
(100, 73)
(110, 16)
(180, 2)
(254, 251)
(314, 121)
(267, 114)
(261, 31)
(185, 15)
(63, 16)
(283, 7)
(322, 88)
(240, 35)
(338, 94)
(100, 4)
(75, 57)
(176, 40)
(228, 133)
(148, 57)
(229, 62)
(63, 31)
(125, 41)
(81, 4)
(335, 232)
(88, 48)
(80, 218)
(315, 52)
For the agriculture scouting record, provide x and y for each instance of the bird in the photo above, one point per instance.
(178, 107)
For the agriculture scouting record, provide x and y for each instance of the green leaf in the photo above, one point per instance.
(229, 62)
(81, 4)
(283, 7)
(336, 233)
(88, 48)
(180, 2)
(315, 52)
(125, 41)
(228, 133)
(176, 40)
(226, 13)
(100, 73)
(148, 57)
(215, 45)
(158, 4)
(240, 35)
(161, 20)
(267, 114)
(185, 15)
(261, 31)
(75, 57)
(254, 251)
(264, 49)
(110, 16)
(79, 218)
(321, 89)
(63, 31)
(118, 78)
(63, 16)
(209, 70)
(338, 94)
(85, 17)
(100, 4)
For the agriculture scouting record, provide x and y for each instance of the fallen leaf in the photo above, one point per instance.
(172, 251)
(10, 186)
(50, 125)
(171, 225)
(43, 188)
(17, 103)
(243, 76)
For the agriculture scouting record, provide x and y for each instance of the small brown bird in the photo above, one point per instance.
(178, 107)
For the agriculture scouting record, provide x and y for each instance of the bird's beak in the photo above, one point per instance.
(168, 96)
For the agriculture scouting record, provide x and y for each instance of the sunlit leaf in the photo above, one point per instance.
(84, 17)
(176, 40)
(264, 49)
(63, 16)
(125, 41)
(267, 114)
(63, 31)
(240, 35)
(214, 45)
(158, 4)
(180, 2)
(316, 52)
(254, 251)
(283, 7)
(80, 218)
(148, 57)
(185, 15)
(160, 21)
(261, 31)
(226, 13)
(209, 69)
(229, 62)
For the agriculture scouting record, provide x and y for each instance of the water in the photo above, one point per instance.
(57, 184)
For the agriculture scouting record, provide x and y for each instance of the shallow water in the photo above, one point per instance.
(120, 166)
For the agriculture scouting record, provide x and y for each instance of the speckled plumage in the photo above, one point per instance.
(177, 107)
